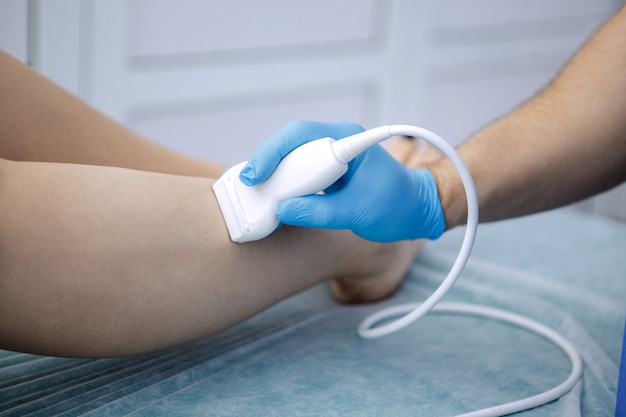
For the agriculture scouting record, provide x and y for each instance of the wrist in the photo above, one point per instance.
(451, 192)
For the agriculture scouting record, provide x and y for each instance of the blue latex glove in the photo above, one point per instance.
(379, 198)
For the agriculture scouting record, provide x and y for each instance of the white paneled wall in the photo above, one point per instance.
(200, 27)
(484, 57)
(14, 28)
(216, 78)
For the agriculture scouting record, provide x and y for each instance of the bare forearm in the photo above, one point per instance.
(99, 261)
(40, 121)
(566, 144)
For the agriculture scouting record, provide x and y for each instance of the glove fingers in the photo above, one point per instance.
(319, 211)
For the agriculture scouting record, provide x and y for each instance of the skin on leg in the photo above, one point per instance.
(101, 261)
(40, 121)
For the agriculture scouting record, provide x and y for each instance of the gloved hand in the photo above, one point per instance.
(378, 198)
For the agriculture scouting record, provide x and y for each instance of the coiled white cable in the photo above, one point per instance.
(412, 312)
(516, 320)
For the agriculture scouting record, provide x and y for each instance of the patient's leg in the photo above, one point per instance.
(39, 121)
(100, 261)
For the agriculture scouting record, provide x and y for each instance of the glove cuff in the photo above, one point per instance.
(432, 216)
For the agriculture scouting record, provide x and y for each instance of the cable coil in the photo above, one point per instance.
(411, 312)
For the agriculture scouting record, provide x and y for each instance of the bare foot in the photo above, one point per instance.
(377, 269)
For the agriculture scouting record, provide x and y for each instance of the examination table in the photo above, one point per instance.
(303, 357)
